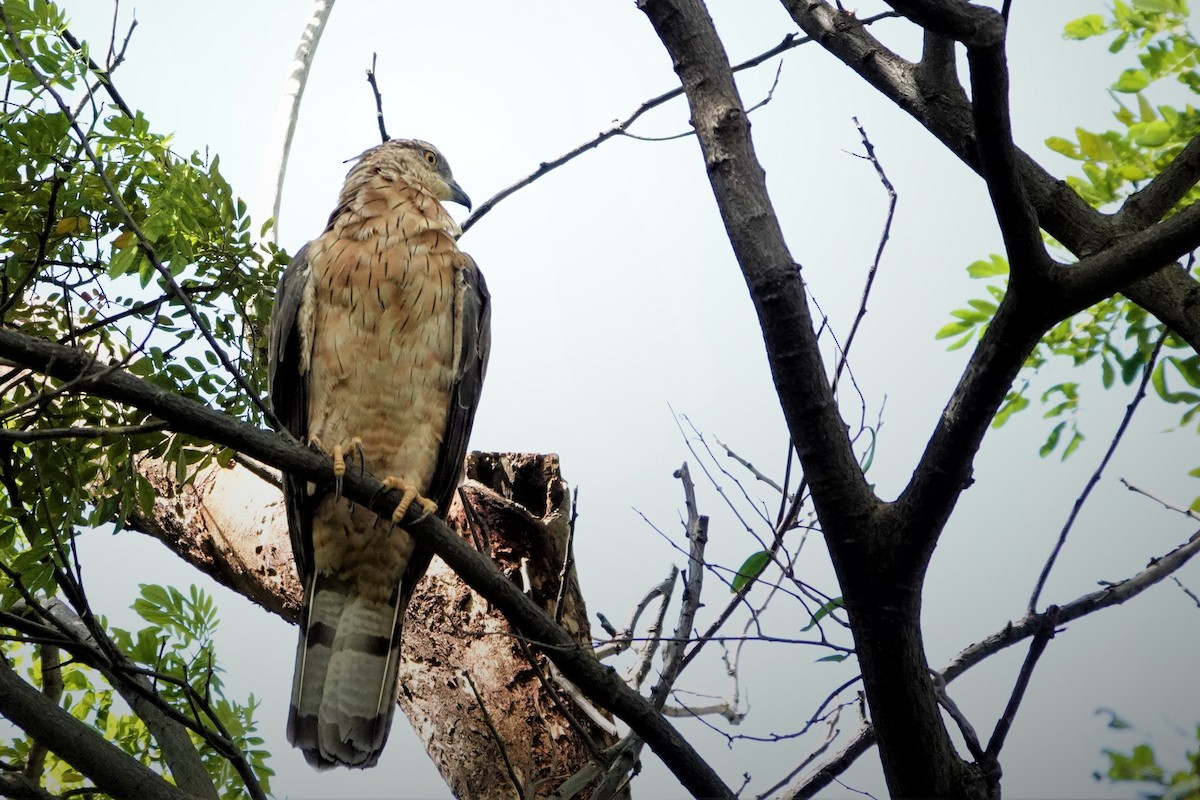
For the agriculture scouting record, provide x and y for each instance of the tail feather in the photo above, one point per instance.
(344, 691)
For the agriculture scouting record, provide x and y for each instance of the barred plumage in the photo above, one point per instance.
(379, 344)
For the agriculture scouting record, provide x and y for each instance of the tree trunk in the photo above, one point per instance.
(229, 523)
(916, 751)
(467, 684)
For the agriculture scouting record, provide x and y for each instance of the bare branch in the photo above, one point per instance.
(1130, 410)
(111, 769)
(622, 128)
(477, 570)
(383, 134)
(1038, 646)
(1187, 512)
(79, 432)
(1028, 626)
(293, 93)
(884, 236)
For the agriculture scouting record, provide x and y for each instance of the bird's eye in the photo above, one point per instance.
(431, 157)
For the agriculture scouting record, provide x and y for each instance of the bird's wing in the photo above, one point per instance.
(472, 342)
(288, 358)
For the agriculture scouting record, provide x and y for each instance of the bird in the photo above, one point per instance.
(379, 343)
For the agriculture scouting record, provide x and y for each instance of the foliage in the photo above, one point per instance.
(1141, 765)
(177, 647)
(1115, 335)
(112, 242)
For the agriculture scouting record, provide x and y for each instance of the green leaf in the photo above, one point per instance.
(1085, 27)
(1155, 134)
(751, 568)
(995, 265)
(1052, 440)
(1073, 445)
(952, 329)
(1132, 80)
(823, 612)
(1064, 146)
(1145, 109)
(1156, 6)
(836, 657)
(1091, 144)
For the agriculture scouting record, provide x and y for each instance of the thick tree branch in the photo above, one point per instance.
(940, 105)
(944, 469)
(1133, 257)
(997, 158)
(187, 416)
(1151, 203)
(839, 489)
(974, 26)
(1158, 570)
(111, 769)
(880, 569)
(179, 753)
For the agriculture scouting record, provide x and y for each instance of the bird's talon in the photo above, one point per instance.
(408, 496)
(428, 507)
(362, 456)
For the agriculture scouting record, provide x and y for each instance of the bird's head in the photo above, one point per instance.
(414, 161)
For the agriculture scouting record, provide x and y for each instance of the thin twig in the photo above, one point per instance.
(81, 432)
(1187, 512)
(1187, 591)
(383, 134)
(790, 41)
(487, 719)
(884, 236)
(1004, 724)
(1130, 410)
(293, 93)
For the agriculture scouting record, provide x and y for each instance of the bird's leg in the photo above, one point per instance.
(409, 495)
(338, 456)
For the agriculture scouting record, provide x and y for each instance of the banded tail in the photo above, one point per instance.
(344, 689)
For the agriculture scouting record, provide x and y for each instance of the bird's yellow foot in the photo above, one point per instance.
(338, 456)
(409, 495)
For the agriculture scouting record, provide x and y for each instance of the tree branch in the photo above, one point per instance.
(1133, 257)
(934, 98)
(1031, 624)
(179, 753)
(187, 416)
(622, 128)
(997, 159)
(1148, 205)
(839, 490)
(111, 769)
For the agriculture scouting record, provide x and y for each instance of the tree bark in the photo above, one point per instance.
(466, 685)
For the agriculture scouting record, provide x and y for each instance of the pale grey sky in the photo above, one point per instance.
(616, 294)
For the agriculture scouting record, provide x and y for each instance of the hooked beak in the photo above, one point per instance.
(458, 195)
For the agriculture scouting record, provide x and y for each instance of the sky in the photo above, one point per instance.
(618, 305)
